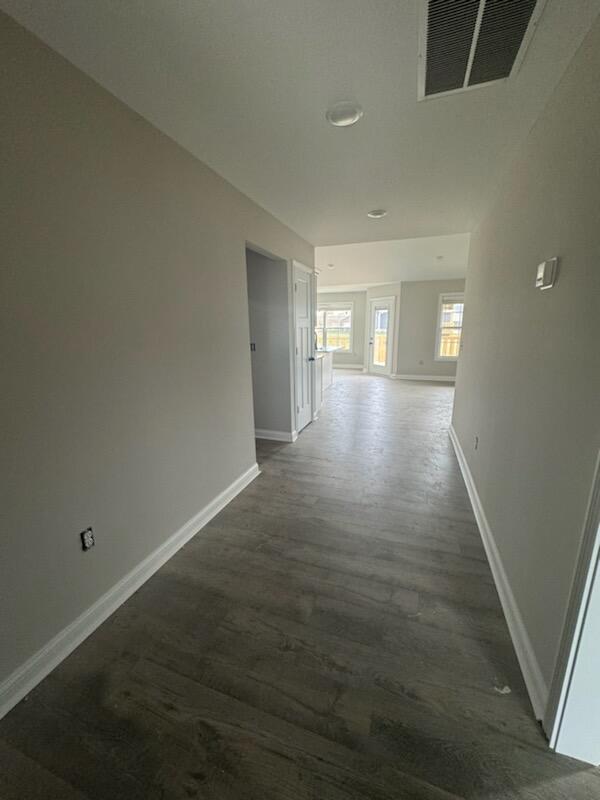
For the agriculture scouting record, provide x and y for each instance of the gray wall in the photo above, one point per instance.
(268, 300)
(528, 381)
(419, 302)
(126, 386)
(359, 299)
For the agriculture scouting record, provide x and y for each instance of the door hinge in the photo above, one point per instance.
(297, 409)
(295, 287)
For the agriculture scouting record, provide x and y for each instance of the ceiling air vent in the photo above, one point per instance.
(469, 43)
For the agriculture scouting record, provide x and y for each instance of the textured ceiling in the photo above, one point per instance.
(244, 85)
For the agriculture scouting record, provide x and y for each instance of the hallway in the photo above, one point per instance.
(333, 633)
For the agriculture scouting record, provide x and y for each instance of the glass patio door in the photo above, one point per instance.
(381, 335)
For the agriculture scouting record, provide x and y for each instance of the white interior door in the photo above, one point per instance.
(381, 334)
(303, 320)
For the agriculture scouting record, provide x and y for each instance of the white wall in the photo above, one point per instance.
(126, 381)
(270, 312)
(419, 304)
(528, 380)
(358, 300)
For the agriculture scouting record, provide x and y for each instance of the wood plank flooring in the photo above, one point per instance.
(334, 633)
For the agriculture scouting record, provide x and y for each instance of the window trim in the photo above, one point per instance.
(338, 307)
(445, 297)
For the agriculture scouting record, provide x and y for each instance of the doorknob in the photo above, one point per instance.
(311, 358)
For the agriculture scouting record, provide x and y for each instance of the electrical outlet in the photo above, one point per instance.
(476, 442)
(87, 538)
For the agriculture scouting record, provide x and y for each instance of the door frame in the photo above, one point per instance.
(293, 266)
(316, 404)
(388, 371)
(564, 735)
(288, 265)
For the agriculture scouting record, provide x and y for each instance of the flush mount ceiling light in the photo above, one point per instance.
(344, 114)
(330, 266)
(377, 213)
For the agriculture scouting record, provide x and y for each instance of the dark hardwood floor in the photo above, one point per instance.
(334, 633)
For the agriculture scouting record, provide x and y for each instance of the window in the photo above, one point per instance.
(334, 326)
(449, 328)
(380, 337)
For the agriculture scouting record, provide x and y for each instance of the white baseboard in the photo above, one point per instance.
(29, 674)
(349, 366)
(439, 378)
(534, 680)
(276, 436)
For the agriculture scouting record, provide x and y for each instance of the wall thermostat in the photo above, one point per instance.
(546, 274)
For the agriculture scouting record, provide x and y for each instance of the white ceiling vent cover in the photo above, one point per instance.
(465, 44)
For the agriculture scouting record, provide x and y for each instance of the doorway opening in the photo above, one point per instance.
(281, 323)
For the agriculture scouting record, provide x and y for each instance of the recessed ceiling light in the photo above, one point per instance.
(344, 114)
(330, 266)
(377, 213)
(439, 258)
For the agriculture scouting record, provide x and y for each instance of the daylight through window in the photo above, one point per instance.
(450, 320)
(334, 327)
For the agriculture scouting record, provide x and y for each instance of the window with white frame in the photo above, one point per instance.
(334, 326)
(449, 326)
